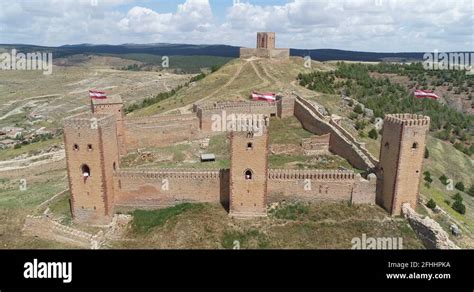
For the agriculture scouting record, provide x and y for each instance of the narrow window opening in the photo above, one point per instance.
(86, 172)
(248, 174)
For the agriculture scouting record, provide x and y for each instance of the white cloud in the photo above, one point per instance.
(375, 25)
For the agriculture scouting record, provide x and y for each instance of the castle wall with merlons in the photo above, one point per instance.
(320, 185)
(163, 188)
(154, 189)
(209, 113)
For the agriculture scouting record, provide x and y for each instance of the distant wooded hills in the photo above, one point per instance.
(162, 49)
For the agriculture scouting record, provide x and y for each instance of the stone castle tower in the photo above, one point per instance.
(266, 40)
(112, 105)
(248, 174)
(401, 160)
(92, 157)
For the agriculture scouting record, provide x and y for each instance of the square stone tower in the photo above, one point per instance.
(266, 40)
(113, 104)
(248, 174)
(401, 160)
(92, 157)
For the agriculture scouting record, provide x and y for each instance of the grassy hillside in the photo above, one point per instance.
(305, 226)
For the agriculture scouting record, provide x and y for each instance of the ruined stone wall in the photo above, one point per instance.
(164, 187)
(46, 228)
(311, 120)
(429, 231)
(360, 146)
(319, 185)
(160, 130)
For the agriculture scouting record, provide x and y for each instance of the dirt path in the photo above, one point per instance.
(187, 108)
(271, 77)
(36, 160)
(265, 82)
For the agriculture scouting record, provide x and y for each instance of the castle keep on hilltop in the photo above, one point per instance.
(265, 48)
(99, 186)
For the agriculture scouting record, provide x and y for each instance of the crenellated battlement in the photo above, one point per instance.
(161, 118)
(408, 119)
(246, 105)
(316, 174)
(169, 173)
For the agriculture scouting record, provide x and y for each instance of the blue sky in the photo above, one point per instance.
(364, 25)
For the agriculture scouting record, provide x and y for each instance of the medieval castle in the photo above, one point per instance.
(99, 186)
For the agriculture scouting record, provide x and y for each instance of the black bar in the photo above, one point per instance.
(240, 268)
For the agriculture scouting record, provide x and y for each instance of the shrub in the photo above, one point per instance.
(291, 212)
(459, 207)
(427, 153)
(373, 134)
(459, 186)
(431, 204)
(470, 192)
(360, 125)
(353, 116)
(444, 180)
(358, 109)
(457, 197)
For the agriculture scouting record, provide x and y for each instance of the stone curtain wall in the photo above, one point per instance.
(339, 144)
(160, 130)
(246, 53)
(163, 188)
(318, 185)
(166, 187)
(206, 111)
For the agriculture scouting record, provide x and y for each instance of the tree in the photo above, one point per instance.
(373, 134)
(431, 204)
(459, 207)
(457, 197)
(459, 186)
(444, 180)
(470, 192)
(427, 153)
(358, 109)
